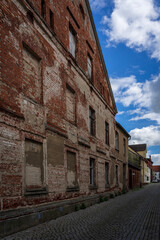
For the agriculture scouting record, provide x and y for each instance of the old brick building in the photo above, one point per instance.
(57, 110)
(134, 168)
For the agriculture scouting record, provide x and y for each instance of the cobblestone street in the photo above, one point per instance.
(135, 215)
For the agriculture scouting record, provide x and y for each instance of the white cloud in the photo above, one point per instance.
(150, 115)
(155, 94)
(120, 112)
(156, 159)
(121, 83)
(144, 96)
(149, 135)
(135, 111)
(128, 91)
(135, 23)
(97, 5)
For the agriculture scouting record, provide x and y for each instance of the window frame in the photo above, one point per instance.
(75, 186)
(72, 41)
(43, 9)
(124, 147)
(116, 140)
(71, 90)
(117, 180)
(90, 67)
(92, 121)
(106, 174)
(51, 18)
(92, 171)
(106, 133)
(38, 189)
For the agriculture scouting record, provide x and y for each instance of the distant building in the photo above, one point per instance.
(145, 163)
(134, 168)
(121, 146)
(156, 173)
(149, 170)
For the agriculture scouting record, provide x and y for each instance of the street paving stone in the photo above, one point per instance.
(131, 216)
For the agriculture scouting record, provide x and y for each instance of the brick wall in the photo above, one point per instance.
(45, 96)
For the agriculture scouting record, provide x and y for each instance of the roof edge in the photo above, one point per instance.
(101, 55)
(122, 128)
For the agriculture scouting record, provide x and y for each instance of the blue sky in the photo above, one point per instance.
(129, 34)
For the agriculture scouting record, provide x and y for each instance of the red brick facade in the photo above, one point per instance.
(45, 97)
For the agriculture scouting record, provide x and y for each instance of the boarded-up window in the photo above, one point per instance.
(32, 74)
(72, 41)
(34, 165)
(71, 169)
(55, 150)
(70, 104)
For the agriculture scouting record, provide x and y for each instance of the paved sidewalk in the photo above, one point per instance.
(133, 216)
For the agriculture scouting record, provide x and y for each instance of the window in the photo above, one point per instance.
(124, 146)
(116, 140)
(92, 121)
(70, 104)
(90, 68)
(72, 41)
(82, 11)
(43, 8)
(92, 171)
(32, 84)
(106, 173)
(116, 175)
(34, 167)
(71, 170)
(101, 88)
(30, 16)
(106, 133)
(51, 15)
